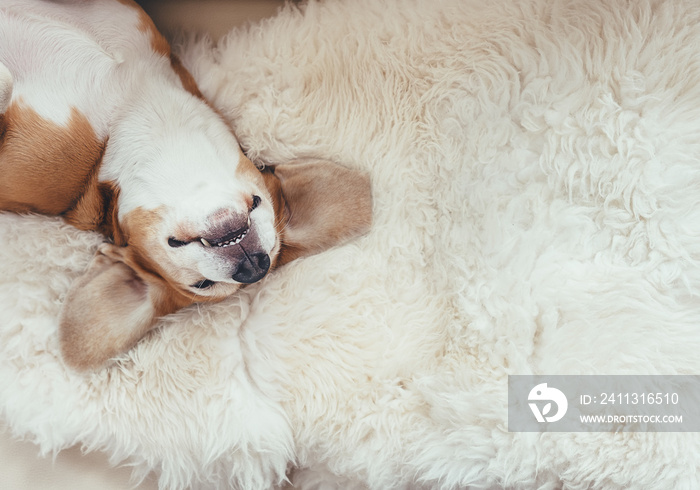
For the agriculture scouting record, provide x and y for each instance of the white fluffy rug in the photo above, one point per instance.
(536, 176)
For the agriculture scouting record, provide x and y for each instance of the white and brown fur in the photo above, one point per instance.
(101, 124)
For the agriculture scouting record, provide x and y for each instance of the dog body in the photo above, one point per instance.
(101, 124)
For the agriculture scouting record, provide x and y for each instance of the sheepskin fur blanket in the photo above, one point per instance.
(535, 167)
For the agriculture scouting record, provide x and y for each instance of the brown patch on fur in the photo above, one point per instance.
(186, 77)
(97, 210)
(159, 44)
(248, 171)
(279, 205)
(45, 167)
(110, 227)
(2, 128)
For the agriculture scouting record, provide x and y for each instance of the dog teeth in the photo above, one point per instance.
(233, 241)
(236, 241)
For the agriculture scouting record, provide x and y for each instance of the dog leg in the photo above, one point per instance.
(5, 88)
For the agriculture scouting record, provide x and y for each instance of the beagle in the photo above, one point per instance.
(101, 124)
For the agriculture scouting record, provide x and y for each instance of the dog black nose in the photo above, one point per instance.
(252, 268)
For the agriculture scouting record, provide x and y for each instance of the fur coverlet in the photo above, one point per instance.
(536, 175)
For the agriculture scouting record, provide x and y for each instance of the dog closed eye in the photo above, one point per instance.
(203, 284)
(176, 243)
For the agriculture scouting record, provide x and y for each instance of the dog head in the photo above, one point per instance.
(193, 220)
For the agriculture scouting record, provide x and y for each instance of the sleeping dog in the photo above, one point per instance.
(101, 124)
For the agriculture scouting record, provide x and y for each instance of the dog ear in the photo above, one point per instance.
(106, 312)
(322, 204)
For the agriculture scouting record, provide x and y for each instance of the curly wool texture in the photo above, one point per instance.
(535, 170)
